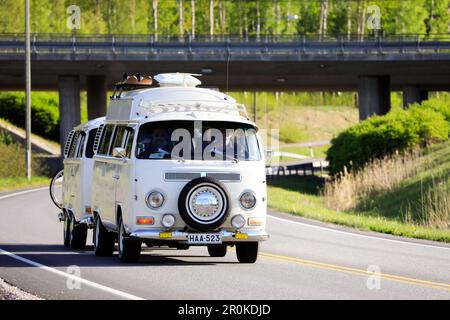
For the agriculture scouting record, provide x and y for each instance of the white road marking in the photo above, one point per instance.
(22, 192)
(357, 234)
(58, 272)
(72, 277)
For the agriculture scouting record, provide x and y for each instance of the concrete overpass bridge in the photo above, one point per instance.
(372, 66)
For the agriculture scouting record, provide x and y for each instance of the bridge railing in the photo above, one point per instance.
(264, 44)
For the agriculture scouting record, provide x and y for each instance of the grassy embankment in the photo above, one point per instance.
(406, 196)
(12, 166)
(302, 117)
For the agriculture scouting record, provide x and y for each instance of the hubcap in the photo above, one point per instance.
(206, 203)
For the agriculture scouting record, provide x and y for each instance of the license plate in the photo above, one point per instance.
(204, 238)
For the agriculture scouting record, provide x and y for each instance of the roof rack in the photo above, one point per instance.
(152, 108)
(129, 83)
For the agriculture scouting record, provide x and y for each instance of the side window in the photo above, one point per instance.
(129, 143)
(89, 153)
(104, 144)
(73, 146)
(81, 145)
(119, 136)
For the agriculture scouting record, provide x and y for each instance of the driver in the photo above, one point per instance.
(156, 144)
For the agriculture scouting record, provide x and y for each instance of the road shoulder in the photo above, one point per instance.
(9, 292)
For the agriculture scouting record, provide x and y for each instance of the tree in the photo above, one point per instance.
(133, 15)
(361, 19)
(211, 17)
(222, 16)
(180, 17)
(438, 16)
(193, 18)
(155, 18)
(323, 18)
(258, 19)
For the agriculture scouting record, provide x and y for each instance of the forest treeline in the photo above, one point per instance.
(238, 17)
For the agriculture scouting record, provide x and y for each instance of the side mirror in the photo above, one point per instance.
(268, 154)
(119, 153)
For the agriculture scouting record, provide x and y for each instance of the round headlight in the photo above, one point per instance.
(155, 199)
(247, 200)
(168, 220)
(238, 221)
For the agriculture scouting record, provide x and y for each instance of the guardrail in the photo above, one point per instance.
(305, 167)
(273, 44)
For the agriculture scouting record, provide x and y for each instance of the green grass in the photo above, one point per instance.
(319, 152)
(300, 196)
(16, 183)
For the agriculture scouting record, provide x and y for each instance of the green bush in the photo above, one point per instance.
(44, 112)
(440, 106)
(379, 136)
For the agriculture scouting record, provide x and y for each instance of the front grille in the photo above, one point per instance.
(181, 175)
(187, 176)
(225, 176)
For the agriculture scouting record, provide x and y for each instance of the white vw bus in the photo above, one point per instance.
(75, 190)
(177, 166)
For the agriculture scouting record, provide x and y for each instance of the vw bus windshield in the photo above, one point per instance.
(198, 140)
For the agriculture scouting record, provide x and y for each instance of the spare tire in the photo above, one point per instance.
(204, 204)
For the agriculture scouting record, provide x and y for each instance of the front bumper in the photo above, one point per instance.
(181, 236)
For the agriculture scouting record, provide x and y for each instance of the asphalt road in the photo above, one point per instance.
(302, 260)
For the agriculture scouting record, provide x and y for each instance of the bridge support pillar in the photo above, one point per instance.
(96, 96)
(69, 106)
(373, 95)
(412, 94)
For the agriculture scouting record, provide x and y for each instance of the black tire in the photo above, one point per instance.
(78, 235)
(217, 250)
(103, 239)
(52, 196)
(129, 250)
(247, 252)
(184, 210)
(66, 230)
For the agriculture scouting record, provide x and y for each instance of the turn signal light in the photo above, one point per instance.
(145, 220)
(255, 222)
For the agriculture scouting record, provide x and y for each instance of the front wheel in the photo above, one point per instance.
(103, 240)
(129, 250)
(247, 252)
(217, 250)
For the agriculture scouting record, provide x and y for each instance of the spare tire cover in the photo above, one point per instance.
(204, 204)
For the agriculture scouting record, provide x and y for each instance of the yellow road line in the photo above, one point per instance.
(359, 272)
